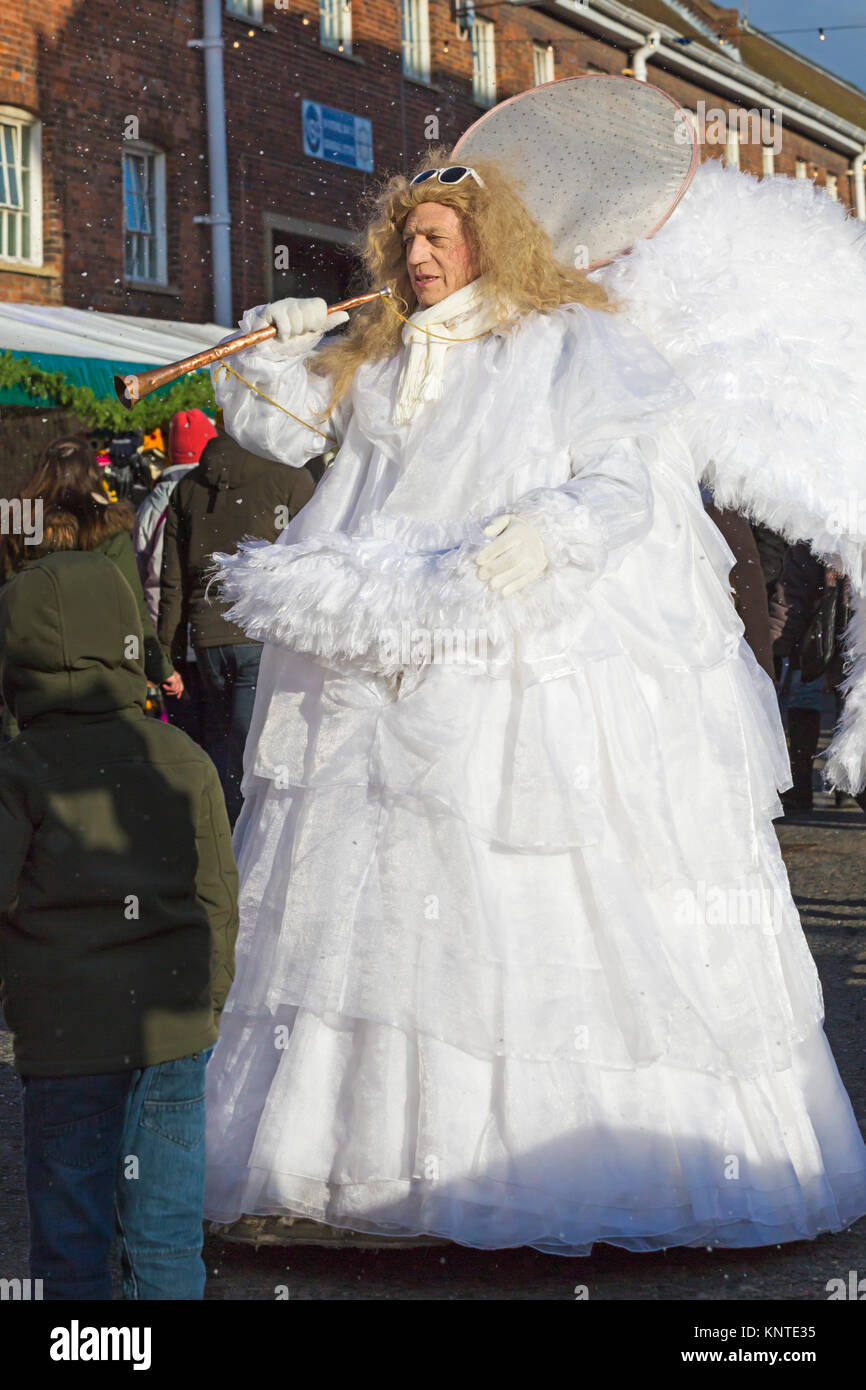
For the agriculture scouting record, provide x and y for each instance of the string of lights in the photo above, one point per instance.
(468, 12)
(822, 31)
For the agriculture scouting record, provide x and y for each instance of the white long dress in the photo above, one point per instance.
(518, 961)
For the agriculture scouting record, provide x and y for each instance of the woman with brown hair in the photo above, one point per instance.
(67, 480)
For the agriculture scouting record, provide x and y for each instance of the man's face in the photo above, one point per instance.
(438, 256)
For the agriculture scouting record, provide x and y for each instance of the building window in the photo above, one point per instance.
(20, 187)
(335, 25)
(831, 187)
(144, 229)
(415, 23)
(800, 169)
(542, 63)
(304, 260)
(245, 9)
(768, 159)
(483, 62)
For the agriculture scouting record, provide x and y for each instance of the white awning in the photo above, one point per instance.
(57, 331)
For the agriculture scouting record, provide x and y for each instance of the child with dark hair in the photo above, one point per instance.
(68, 480)
(118, 916)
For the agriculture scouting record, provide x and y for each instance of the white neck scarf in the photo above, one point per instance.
(463, 314)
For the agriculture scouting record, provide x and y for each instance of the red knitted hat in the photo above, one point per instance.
(189, 431)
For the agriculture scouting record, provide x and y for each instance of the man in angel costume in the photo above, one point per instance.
(519, 964)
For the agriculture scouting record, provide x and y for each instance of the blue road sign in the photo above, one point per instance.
(337, 136)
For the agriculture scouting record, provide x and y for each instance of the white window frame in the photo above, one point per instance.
(831, 186)
(543, 64)
(483, 61)
(335, 25)
(415, 39)
(768, 160)
(251, 10)
(801, 169)
(19, 120)
(160, 225)
(732, 145)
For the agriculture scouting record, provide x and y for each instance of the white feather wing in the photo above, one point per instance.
(755, 291)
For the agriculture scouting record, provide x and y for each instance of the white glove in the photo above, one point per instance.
(515, 558)
(300, 323)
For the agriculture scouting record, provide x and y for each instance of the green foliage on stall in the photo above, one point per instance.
(190, 392)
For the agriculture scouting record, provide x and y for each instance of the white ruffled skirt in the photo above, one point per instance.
(569, 1003)
(378, 1130)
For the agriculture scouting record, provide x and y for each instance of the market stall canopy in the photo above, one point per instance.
(89, 347)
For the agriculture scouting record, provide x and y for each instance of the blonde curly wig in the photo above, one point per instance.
(510, 248)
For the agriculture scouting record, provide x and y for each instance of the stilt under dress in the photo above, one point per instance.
(518, 962)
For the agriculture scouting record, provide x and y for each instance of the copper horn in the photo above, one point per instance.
(133, 388)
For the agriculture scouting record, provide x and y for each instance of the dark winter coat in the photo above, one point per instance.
(803, 584)
(772, 549)
(231, 494)
(748, 582)
(115, 542)
(117, 545)
(113, 537)
(118, 889)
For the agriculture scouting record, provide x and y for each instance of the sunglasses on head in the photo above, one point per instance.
(455, 173)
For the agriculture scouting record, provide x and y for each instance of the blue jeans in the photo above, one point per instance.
(805, 694)
(229, 675)
(120, 1151)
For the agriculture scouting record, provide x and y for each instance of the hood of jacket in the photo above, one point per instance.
(224, 464)
(70, 639)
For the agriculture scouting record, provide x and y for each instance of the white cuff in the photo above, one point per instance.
(570, 532)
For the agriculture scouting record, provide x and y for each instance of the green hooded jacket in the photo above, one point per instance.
(118, 888)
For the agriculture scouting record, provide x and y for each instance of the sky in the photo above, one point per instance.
(843, 51)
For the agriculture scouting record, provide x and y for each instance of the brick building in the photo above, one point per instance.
(104, 164)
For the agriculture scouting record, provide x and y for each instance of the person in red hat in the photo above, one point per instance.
(189, 432)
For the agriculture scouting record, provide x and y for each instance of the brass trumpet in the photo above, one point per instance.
(133, 388)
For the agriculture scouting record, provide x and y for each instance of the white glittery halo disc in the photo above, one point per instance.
(600, 160)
